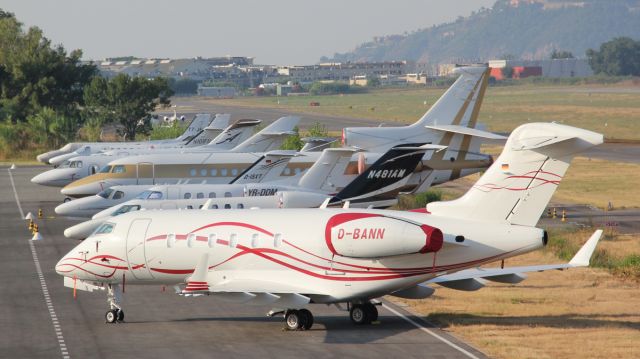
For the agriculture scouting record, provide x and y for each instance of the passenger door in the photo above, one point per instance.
(136, 243)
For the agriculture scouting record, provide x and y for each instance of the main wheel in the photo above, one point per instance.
(111, 316)
(372, 311)
(359, 315)
(120, 315)
(308, 320)
(294, 319)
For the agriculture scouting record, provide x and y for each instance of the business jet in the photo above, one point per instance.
(197, 124)
(214, 138)
(458, 107)
(380, 182)
(289, 258)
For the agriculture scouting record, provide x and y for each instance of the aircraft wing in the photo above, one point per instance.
(472, 279)
(466, 131)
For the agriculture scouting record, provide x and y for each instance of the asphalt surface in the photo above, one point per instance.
(41, 319)
(189, 106)
(622, 221)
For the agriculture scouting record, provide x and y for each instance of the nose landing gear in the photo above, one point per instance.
(115, 314)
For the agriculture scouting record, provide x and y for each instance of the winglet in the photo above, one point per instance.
(582, 258)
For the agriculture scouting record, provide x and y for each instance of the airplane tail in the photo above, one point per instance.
(385, 178)
(332, 160)
(266, 168)
(271, 137)
(197, 124)
(316, 144)
(519, 184)
(204, 136)
(233, 135)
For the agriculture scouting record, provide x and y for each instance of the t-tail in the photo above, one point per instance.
(205, 135)
(519, 184)
(271, 137)
(332, 163)
(266, 168)
(380, 184)
(201, 121)
(232, 136)
(455, 113)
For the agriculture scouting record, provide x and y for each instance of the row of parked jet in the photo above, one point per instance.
(222, 211)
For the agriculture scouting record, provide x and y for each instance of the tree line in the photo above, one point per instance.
(48, 95)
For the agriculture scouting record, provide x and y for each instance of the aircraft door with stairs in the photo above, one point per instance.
(136, 243)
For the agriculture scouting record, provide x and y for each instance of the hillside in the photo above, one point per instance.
(528, 29)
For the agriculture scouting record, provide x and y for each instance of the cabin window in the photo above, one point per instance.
(297, 171)
(215, 206)
(187, 195)
(234, 172)
(277, 240)
(203, 172)
(233, 240)
(118, 195)
(171, 240)
(190, 239)
(119, 169)
(212, 240)
(254, 240)
(240, 206)
(93, 170)
(200, 195)
(155, 195)
(214, 172)
(212, 195)
(192, 172)
(227, 206)
(227, 194)
(105, 169)
(189, 207)
(223, 172)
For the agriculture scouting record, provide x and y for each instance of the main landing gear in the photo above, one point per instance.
(115, 314)
(295, 319)
(302, 319)
(362, 314)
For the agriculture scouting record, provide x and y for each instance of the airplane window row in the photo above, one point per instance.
(199, 195)
(213, 172)
(212, 240)
(287, 171)
(215, 206)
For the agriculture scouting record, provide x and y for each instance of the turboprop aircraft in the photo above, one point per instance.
(79, 167)
(459, 107)
(197, 124)
(144, 169)
(289, 258)
(382, 180)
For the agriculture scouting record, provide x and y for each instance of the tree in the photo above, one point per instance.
(373, 82)
(618, 57)
(561, 54)
(127, 100)
(183, 86)
(36, 75)
(294, 142)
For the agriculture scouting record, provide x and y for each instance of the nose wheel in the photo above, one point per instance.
(115, 314)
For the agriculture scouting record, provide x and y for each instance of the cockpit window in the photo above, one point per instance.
(104, 228)
(127, 208)
(119, 169)
(118, 195)
(143, 195)
(65, 164)
(75, 164)
(105, 169)
(155, 195)
(106, 193)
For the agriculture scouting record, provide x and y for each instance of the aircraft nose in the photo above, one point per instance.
(67, 209)
(41, 179)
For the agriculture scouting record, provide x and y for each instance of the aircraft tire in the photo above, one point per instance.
(308, 320)
(120, 315)
(294, 320)
(359, 315)
(372, 311)
(111, 316)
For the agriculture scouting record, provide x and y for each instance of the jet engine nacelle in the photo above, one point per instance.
(367, 235)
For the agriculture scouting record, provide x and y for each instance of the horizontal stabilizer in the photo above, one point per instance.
(466, 131)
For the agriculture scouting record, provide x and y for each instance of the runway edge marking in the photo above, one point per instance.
(431, 332)
(43, 284)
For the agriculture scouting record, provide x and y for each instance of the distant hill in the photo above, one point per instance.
(527, 29)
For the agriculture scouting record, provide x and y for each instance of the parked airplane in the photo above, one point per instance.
(459, 107)
(197, 124)
(288, 259)
(144, 169)
(385, 176)
(79, 167)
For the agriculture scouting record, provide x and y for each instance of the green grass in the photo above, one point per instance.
(617, 115)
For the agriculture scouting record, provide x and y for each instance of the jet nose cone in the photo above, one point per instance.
(40, 179)
(64, 268)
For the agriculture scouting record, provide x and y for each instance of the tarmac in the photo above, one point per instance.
(41, 318)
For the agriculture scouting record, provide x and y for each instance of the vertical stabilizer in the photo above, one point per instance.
(201, 121)
(266, 168)
(271, 137)
(519, 184)
(233, 135)
(332, 161)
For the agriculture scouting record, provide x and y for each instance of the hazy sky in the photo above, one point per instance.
(274, 32)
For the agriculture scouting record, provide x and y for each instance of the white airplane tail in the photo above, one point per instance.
(331, 161)
(271, 137)
(233, 135)
(197, 124)
(518, 186)
(205, 135)
(266, 168)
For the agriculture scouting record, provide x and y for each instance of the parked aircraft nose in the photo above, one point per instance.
(83, 230)
(83, 190)
(58, 177)
(82, 207)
